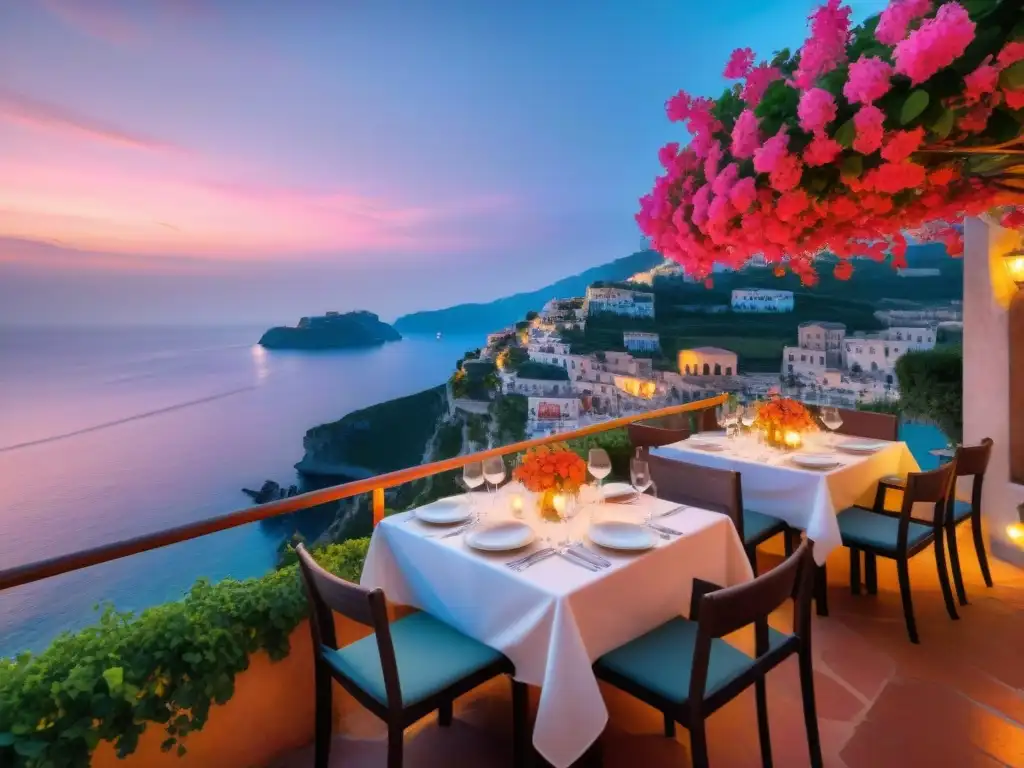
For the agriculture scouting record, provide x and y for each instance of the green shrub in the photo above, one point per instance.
(931, 387)
(167, 665)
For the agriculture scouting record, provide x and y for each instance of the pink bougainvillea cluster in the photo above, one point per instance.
(867, 154)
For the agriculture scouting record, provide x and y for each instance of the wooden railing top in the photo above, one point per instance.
(43, 569)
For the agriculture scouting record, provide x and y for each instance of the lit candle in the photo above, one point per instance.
(558, 502)
(1016, 533)
(792, 439)
(517, 505)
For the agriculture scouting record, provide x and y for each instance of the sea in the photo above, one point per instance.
(110, 433)
(106, 434)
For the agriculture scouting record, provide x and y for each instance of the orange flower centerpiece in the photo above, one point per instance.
(784, 422)
(550, 471)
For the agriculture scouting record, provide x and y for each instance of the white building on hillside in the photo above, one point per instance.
(919, 338)
(761, 300)
(619, 301)
(637, 341)
(825, 337)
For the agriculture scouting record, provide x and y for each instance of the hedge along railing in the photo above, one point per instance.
(43, 569)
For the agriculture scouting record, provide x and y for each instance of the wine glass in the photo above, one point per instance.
(599, 464)
(473, 477)
(494, 474)
(832, 420)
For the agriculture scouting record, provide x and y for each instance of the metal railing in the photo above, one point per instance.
(376, 485)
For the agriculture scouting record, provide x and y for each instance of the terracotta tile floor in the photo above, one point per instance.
(955, 700)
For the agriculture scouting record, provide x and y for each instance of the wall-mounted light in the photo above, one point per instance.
(1015, 531)
(1014, 262)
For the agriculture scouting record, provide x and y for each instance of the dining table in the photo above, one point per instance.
(808, 499)
(555, 618)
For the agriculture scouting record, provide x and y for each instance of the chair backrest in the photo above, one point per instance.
(972, 461)
(645, 436)
(719, 490)
(727, 610)
(875, 426)
(329, 594)
(935, 488)
(706, 420)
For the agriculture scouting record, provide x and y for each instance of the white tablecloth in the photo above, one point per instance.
(556, 618)
(805, 498)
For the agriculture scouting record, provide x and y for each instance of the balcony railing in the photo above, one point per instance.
(376, 485)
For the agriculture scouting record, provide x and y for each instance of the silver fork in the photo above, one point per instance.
(589, 554)
(461, 529)
(537, 557)
(525, 558)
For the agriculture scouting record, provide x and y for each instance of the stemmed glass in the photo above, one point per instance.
(832, 420)
(728, 417)
(494, 474)
(640, 477)
(473, 477)
(599, 465)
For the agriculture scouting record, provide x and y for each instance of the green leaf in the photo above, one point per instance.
(846, 133)
(115, 678)
(30, 748)
(852, 166)
(944, 125)
(1012, 77)
(915, 104)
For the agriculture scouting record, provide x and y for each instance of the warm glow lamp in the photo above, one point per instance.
(1014, 261)
(1015, 531)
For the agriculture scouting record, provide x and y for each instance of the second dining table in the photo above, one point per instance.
(554, 619)
(805, 498)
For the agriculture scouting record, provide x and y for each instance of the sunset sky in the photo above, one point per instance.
(168, 161)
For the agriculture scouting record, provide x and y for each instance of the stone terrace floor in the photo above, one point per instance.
(955, 700)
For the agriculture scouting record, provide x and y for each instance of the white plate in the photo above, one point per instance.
(618, 492)
(861, 446)
(704, 444)
(615, 534)
(500, 537)
(814, 460)
(454, 509)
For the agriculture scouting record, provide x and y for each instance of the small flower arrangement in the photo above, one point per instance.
(784, 421)
(551, 468)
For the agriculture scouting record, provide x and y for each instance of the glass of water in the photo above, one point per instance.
(599, 464)
(473, 477)
(832, 420)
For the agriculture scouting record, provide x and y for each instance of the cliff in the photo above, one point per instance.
(331, 331)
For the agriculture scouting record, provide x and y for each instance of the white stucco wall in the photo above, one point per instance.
(987, 293)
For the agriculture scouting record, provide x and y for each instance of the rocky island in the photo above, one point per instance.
(332, 331)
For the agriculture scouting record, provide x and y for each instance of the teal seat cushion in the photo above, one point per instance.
(661, 661)
(430, 655)
(757, 525)
(961, 510)
(863, 528)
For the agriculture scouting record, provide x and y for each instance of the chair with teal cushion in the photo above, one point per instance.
(687, 671)
(401, 672)
(719, 490)
(876, 533)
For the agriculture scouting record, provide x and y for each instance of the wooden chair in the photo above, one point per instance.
(899, 538)
(403, 671)
(719, 490)
(643, 437)
(874, 426)
(970, 461)
(684, 668)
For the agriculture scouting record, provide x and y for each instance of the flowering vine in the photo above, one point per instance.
(863, 137)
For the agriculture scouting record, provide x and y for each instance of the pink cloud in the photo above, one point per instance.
(35, 113)
(159, 207)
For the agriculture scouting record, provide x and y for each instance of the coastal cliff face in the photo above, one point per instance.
(332, 331)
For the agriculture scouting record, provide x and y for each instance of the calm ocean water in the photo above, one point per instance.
(107, 434)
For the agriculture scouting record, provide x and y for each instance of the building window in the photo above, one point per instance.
(803, 358)
(707, 369)
(791, 357)
(728, 370)
(821, 360)
(718, 369)
(918, 339)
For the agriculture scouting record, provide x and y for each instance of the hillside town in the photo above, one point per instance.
(566, 389)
